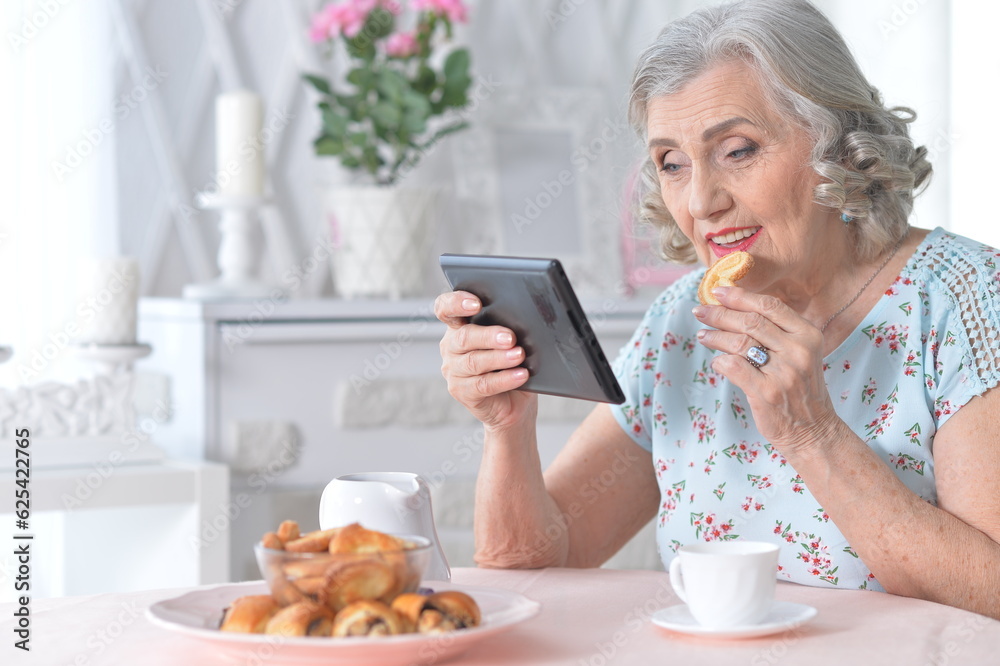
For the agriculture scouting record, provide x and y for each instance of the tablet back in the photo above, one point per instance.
(533, 298)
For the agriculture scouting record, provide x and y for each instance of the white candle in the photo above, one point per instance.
(109, 302)
(239, 152)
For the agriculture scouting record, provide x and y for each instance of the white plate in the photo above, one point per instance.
(197, 614)
(784, 615)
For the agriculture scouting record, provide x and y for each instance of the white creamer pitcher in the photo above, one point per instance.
(394, 502)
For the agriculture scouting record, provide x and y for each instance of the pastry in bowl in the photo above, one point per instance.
(346, 581)
(339, 566)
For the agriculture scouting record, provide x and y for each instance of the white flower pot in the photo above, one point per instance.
(380, 239)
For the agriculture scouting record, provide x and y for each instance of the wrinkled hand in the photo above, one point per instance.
(480, 364)
(788, 396)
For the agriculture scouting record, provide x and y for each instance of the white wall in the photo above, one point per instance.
(903, 48)
(975, 99)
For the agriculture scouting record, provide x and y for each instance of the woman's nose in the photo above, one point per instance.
(707, 196)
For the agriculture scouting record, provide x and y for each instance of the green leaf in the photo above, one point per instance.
(350, 161)
(456, 65)
(386, 135)
(417, 104)
(328, 145)
(425, 81)
(386, 114)
(354, 105)
(362, 77)
(392, 84)
(334, 123)
(371, 159)
(413, 123)
(319, 83)
(454, 96)
(456, 79)
(361, 139)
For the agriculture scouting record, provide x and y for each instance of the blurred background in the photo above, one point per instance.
(160, 457)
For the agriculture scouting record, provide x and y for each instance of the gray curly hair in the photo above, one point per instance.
(862, 150)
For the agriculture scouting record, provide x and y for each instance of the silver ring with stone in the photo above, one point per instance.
(758, 356)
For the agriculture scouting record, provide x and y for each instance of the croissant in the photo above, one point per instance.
(314, 542)
(249, 615)
(369, 618)
(301, 619)
(353, 581)
(272, 541)
(724, 273)
(440, 612)
(287, 592)
(288, 530)
(307, 568)
(354, 538)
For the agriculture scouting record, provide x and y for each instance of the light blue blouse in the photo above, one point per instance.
(928, 347)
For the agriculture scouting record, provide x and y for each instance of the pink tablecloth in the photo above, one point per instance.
(588, 618)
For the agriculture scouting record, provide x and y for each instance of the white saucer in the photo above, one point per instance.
(783, 616)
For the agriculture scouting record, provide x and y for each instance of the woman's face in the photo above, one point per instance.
(736, 176)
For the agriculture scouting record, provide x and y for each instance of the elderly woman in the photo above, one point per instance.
(859, 435)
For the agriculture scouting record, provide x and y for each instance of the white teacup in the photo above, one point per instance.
(726, 583)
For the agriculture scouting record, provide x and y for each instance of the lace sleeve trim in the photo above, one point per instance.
(970, 284)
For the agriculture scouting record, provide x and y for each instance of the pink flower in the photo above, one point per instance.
(454, 9)
(401, 45)
(348, 18)
(324, 24)
(366, 6)
(352, 19)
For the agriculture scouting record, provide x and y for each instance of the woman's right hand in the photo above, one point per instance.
(481, 364)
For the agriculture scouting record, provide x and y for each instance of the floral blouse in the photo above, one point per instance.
(928, 346)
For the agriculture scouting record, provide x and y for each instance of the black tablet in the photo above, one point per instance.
(534, 298)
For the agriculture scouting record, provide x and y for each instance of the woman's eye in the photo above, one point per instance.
(672, 162)
(742, 152)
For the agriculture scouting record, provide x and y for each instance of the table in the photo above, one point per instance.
(589, 617)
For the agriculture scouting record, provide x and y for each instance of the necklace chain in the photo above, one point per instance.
(863, 287)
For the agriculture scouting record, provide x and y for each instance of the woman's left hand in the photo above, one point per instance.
(788, 396)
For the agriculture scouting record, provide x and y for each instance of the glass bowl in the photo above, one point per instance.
(336, 580)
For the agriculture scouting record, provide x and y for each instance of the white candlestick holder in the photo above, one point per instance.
(237, 257)
(112, 359)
